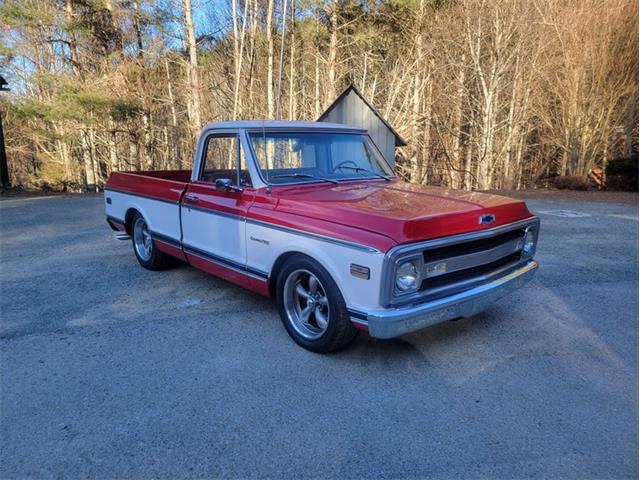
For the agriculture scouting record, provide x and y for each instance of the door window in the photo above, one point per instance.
(221, 160)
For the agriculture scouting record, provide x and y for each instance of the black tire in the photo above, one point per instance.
(339, 331)
(156, 260)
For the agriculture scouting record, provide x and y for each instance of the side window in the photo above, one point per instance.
(220, 159)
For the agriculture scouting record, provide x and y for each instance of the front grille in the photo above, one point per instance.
(452, 265)
(455, 282)
(473, 246)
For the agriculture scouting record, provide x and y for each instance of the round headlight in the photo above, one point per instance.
(529, 245)
(407, 277)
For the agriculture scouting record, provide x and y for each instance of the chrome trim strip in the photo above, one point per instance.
(393, 322)
(401, 252)
(115, 219)
(171, 202)
(164, 238)
(359, 321)
(224, 262)
(230, 264)
(315, 236)
(464, 237)
(211, 211)
(295, 231)
(471, 260)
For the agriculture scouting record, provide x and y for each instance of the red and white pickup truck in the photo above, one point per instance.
(311, 214)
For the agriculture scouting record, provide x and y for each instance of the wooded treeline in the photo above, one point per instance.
(488, 93)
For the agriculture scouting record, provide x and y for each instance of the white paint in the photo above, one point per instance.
(624, 217)
(215, 234)
(161, 217)
(189, 302)
(359, 294)
(565, 213)
(231, 238)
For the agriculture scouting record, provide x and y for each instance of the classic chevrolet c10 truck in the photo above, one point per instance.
(312, 214)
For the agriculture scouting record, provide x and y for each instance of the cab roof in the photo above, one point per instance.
(283, 125)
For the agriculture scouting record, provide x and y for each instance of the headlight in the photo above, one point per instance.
(407, 277)
(529, 242)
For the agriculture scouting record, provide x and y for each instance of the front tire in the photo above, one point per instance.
(311, 306)
(145, 248)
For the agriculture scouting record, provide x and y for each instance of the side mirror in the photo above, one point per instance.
(226, 184)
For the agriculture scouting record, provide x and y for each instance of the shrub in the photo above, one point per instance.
(622, 174)
(570, 183)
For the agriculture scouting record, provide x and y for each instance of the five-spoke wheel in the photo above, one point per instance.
(311, 306)
(142, 239)
(306, 304)
(147, 252)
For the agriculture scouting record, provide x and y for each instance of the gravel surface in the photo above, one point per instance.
(111, 371)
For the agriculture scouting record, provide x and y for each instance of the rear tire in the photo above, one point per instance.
(311, 306)
(145, 248)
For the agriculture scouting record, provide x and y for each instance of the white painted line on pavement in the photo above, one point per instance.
(565, 213)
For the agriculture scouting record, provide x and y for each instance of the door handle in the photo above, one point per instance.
(191, 198)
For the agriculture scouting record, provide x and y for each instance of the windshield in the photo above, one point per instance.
(317, 156)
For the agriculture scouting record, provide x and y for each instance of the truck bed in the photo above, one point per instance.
(168, 185)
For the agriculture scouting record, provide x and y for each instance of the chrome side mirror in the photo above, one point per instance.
(226, 184)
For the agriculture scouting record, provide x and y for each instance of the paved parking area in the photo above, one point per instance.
(108, 370)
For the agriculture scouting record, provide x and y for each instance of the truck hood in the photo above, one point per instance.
(401, 211)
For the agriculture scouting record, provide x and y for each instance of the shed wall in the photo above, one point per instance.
(353, 111)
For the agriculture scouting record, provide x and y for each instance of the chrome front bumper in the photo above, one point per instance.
(393, 322)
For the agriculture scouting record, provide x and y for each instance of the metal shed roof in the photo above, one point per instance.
(399, 141)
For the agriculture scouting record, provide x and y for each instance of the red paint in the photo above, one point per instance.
(375, 213)
(118, 227)
(170, 250)
(209, 198)
(360, 326)
(163, 185)
(400, 211)
(258, 286)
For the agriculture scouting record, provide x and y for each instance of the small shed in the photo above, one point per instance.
(352, 108)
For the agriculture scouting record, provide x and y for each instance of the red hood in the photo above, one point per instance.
(402, 211)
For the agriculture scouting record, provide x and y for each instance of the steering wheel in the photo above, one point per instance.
(345, 162)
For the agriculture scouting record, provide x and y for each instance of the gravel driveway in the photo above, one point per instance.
(109, 370)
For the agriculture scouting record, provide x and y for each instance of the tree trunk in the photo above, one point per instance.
(317, 86)
(459, 173)
(238, 55)
(137, 28)
(174, 137)
(194, 82)
(270, 103)
(333, 53)
(292, 50)
(5, 179)
(91, 183)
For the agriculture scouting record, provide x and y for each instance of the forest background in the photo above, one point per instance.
(489, 94)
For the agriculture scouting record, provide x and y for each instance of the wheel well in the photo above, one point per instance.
(128, 219)
(277, 266)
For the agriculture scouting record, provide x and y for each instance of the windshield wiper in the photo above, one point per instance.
(304, 175)
(360, 170)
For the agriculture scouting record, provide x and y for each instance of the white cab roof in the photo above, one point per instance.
(282, 125)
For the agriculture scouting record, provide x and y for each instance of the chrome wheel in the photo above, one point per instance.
(142, 239)
(306, 304)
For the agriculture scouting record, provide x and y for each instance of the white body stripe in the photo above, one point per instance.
(219, 235)
(258, 246)
(162, 217)
(358, 293)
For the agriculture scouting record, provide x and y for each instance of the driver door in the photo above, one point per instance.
(213, 217)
